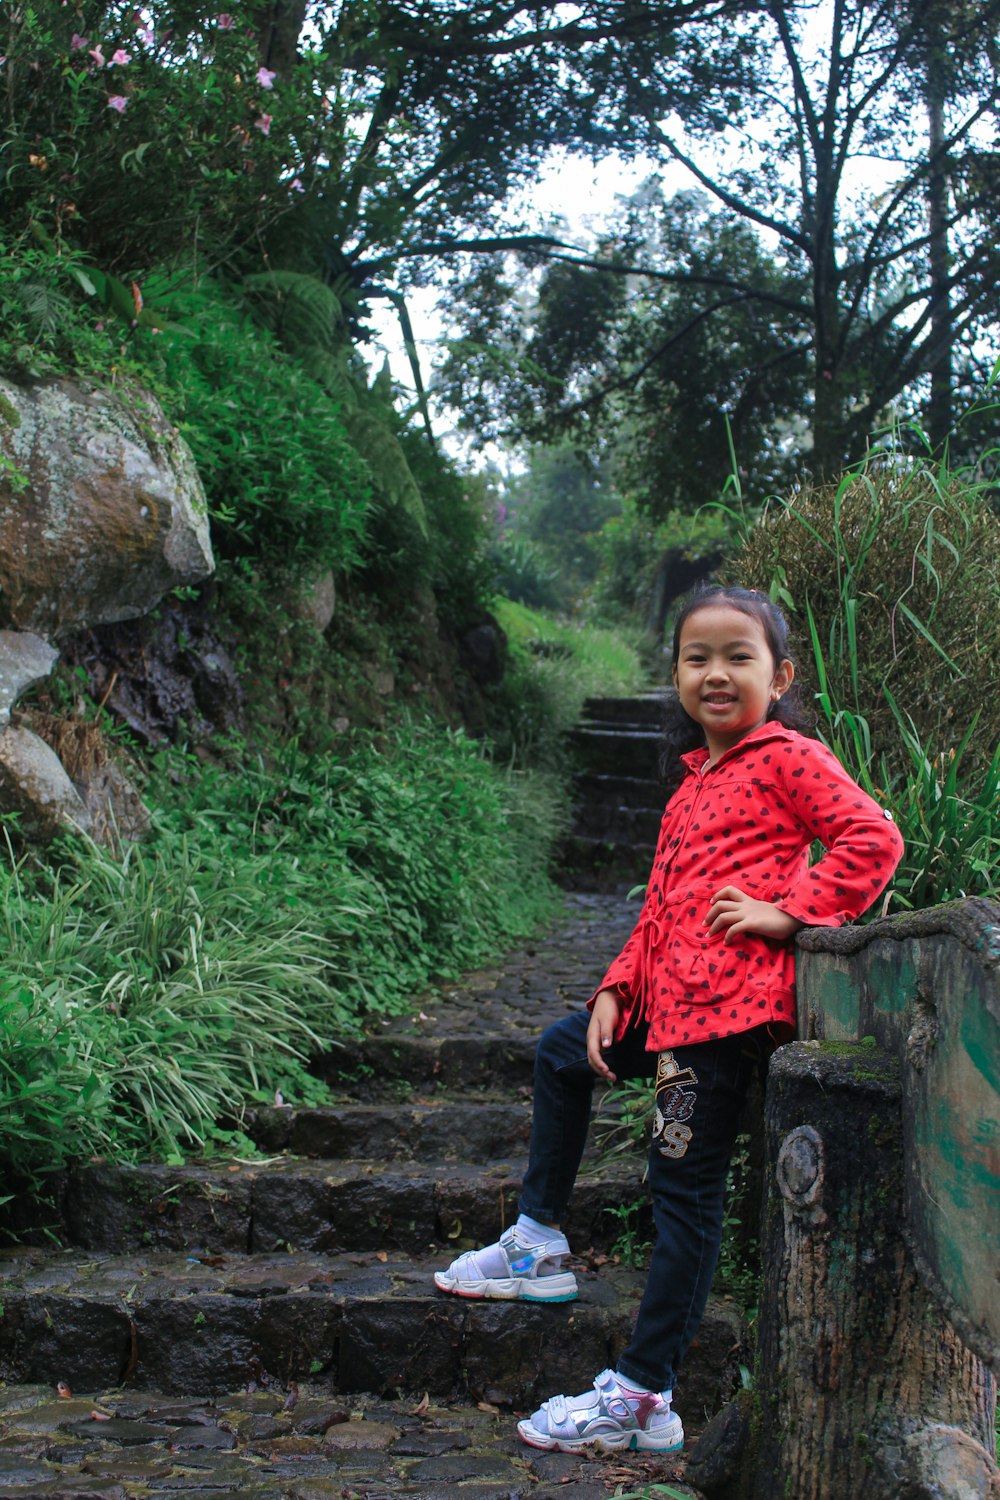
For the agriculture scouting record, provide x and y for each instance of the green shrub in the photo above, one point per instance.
(411, 856)
(893, 574)
(889, 577)
(631, 548)
(285, 486)
(553, 667)
(137, 134)
(143, 1000)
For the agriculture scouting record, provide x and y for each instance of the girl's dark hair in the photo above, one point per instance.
(682, 733)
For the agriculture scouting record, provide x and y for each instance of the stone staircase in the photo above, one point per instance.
(312, 1265)
(618, 793)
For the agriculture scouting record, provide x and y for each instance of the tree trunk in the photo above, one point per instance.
(278, 26)
(939, 405)
(863, 1388)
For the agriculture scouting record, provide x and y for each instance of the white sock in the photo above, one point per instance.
(535, 1233)
(632, 1389)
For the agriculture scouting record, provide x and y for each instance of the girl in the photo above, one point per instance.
(698, 998)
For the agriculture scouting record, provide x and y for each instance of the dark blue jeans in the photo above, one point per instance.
(700, 1093)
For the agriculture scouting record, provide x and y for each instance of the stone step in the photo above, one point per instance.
(630, 791)
(617, 822)
(644, 709)
(619, 752)
(478, 1130)
(321, 1206)
(261, 1444)
(475, 1061)
(354, 1323)
(599, 865)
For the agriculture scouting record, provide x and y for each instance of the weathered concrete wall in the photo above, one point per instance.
(926, 986)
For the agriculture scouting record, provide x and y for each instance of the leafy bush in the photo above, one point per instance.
(285, 486)
(525, 572)
(136, 133)
(410, 857)
(890, 577)
(45, 326)
(632, 547)
(142, 1000)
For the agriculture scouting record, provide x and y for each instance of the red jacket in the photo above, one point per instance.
(747, 821)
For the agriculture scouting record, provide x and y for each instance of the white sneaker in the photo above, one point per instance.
(512, 1268)
(607, 1416)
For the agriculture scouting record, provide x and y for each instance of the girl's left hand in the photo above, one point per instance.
(733, 911)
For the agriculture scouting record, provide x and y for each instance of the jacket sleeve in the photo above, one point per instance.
(863, 845)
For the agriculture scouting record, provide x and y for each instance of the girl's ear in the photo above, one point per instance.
(782, 679)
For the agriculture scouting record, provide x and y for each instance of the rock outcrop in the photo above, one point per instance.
(24, 660)
(35, 786)
(101, 513)
(101, 508)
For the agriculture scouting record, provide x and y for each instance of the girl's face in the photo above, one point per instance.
(725, 674)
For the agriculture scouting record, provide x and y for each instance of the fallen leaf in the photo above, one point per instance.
(100, 1416)
(421, 1406)
(488, 1406)
(292, 1397)
(63, 1390)
(382, 1256)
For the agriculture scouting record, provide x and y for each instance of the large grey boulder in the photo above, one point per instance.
(101, 508)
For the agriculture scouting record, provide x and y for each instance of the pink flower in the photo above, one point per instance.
(117, 102)
(266, 78)
(147, 35)
(97, 55)
(296, 185)
(263, 124)
(121, 57)
(77, 42)
(225, 22)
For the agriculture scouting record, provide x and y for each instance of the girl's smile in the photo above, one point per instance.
(726, 676)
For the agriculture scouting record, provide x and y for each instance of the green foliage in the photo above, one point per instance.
(285, 486)
(409, 856)
(890, 577)
(552, 668)
(134, 137)
(273, 909)
(632, 548)
(629, 1247)
(47, 327)
(143, 999)
(526, 572)
(622, 1129)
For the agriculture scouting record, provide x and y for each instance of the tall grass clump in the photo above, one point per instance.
(889, 576)
(143, 999)
(274, 910)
